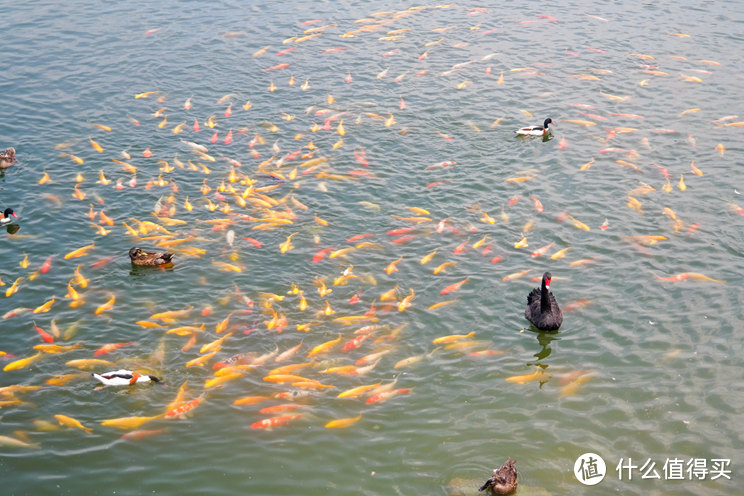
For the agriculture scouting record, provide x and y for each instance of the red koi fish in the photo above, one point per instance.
(553, 19)
(596, 50)
(331, 50)
(576, 305)
(182, 410)
(196, 125)
(571, 53)
(404, 239)
(355, 299)
(540, 251)
(383, 397)
(229, 138)
(489, 32)
(137, 435)
(397, 232)
(663, 171)
(276, 67)
(284, 52)
(313, 22)
(367, 329)
(355, 343)
(348, 78)
(436, 183)
(538, 205)
(497, 258)
(390, 53)
(268, 424)
(613, 150)
(321, 254)
(514, 200)
(47, 265)
(461, 247)
(361, 159)
(595, 116)
(103, 350)
(44, 335)
(453, 287)
(101, 262)
(358, 237)
(214, 138)
(228, 112)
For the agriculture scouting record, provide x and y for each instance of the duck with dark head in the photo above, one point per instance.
(146, 258)
(7, 158)
(504, 479)
(542, 309)
(6, 216)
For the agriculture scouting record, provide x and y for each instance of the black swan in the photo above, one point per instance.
(542, 309)
(504, 480)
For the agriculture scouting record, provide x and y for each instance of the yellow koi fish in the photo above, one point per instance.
(71, 423)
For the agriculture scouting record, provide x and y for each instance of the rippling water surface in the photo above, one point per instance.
(657, 360)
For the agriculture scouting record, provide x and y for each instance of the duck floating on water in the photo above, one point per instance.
(140, 257)
(504, 480)
(123, 378)
(542, 309)
(7, 158)
(7, 216)
(535, 130)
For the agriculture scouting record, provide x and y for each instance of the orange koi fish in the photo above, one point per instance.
(182, 411)
(454, 287)
(541, 251)
(268, 424)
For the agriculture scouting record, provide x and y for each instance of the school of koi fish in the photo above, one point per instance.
(245, 183)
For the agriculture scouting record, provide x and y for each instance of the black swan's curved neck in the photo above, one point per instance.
(544, 298)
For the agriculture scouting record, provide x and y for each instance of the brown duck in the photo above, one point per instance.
(504, 480)
(7, 158)
(140, 257)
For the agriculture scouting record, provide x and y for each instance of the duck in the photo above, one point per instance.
(140, 257)
(7, 158)
(123, 378)
(504, 479)
(542, 309)
(6, 216)
(535, 130)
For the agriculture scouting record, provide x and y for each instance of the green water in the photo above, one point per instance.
(665, 378)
